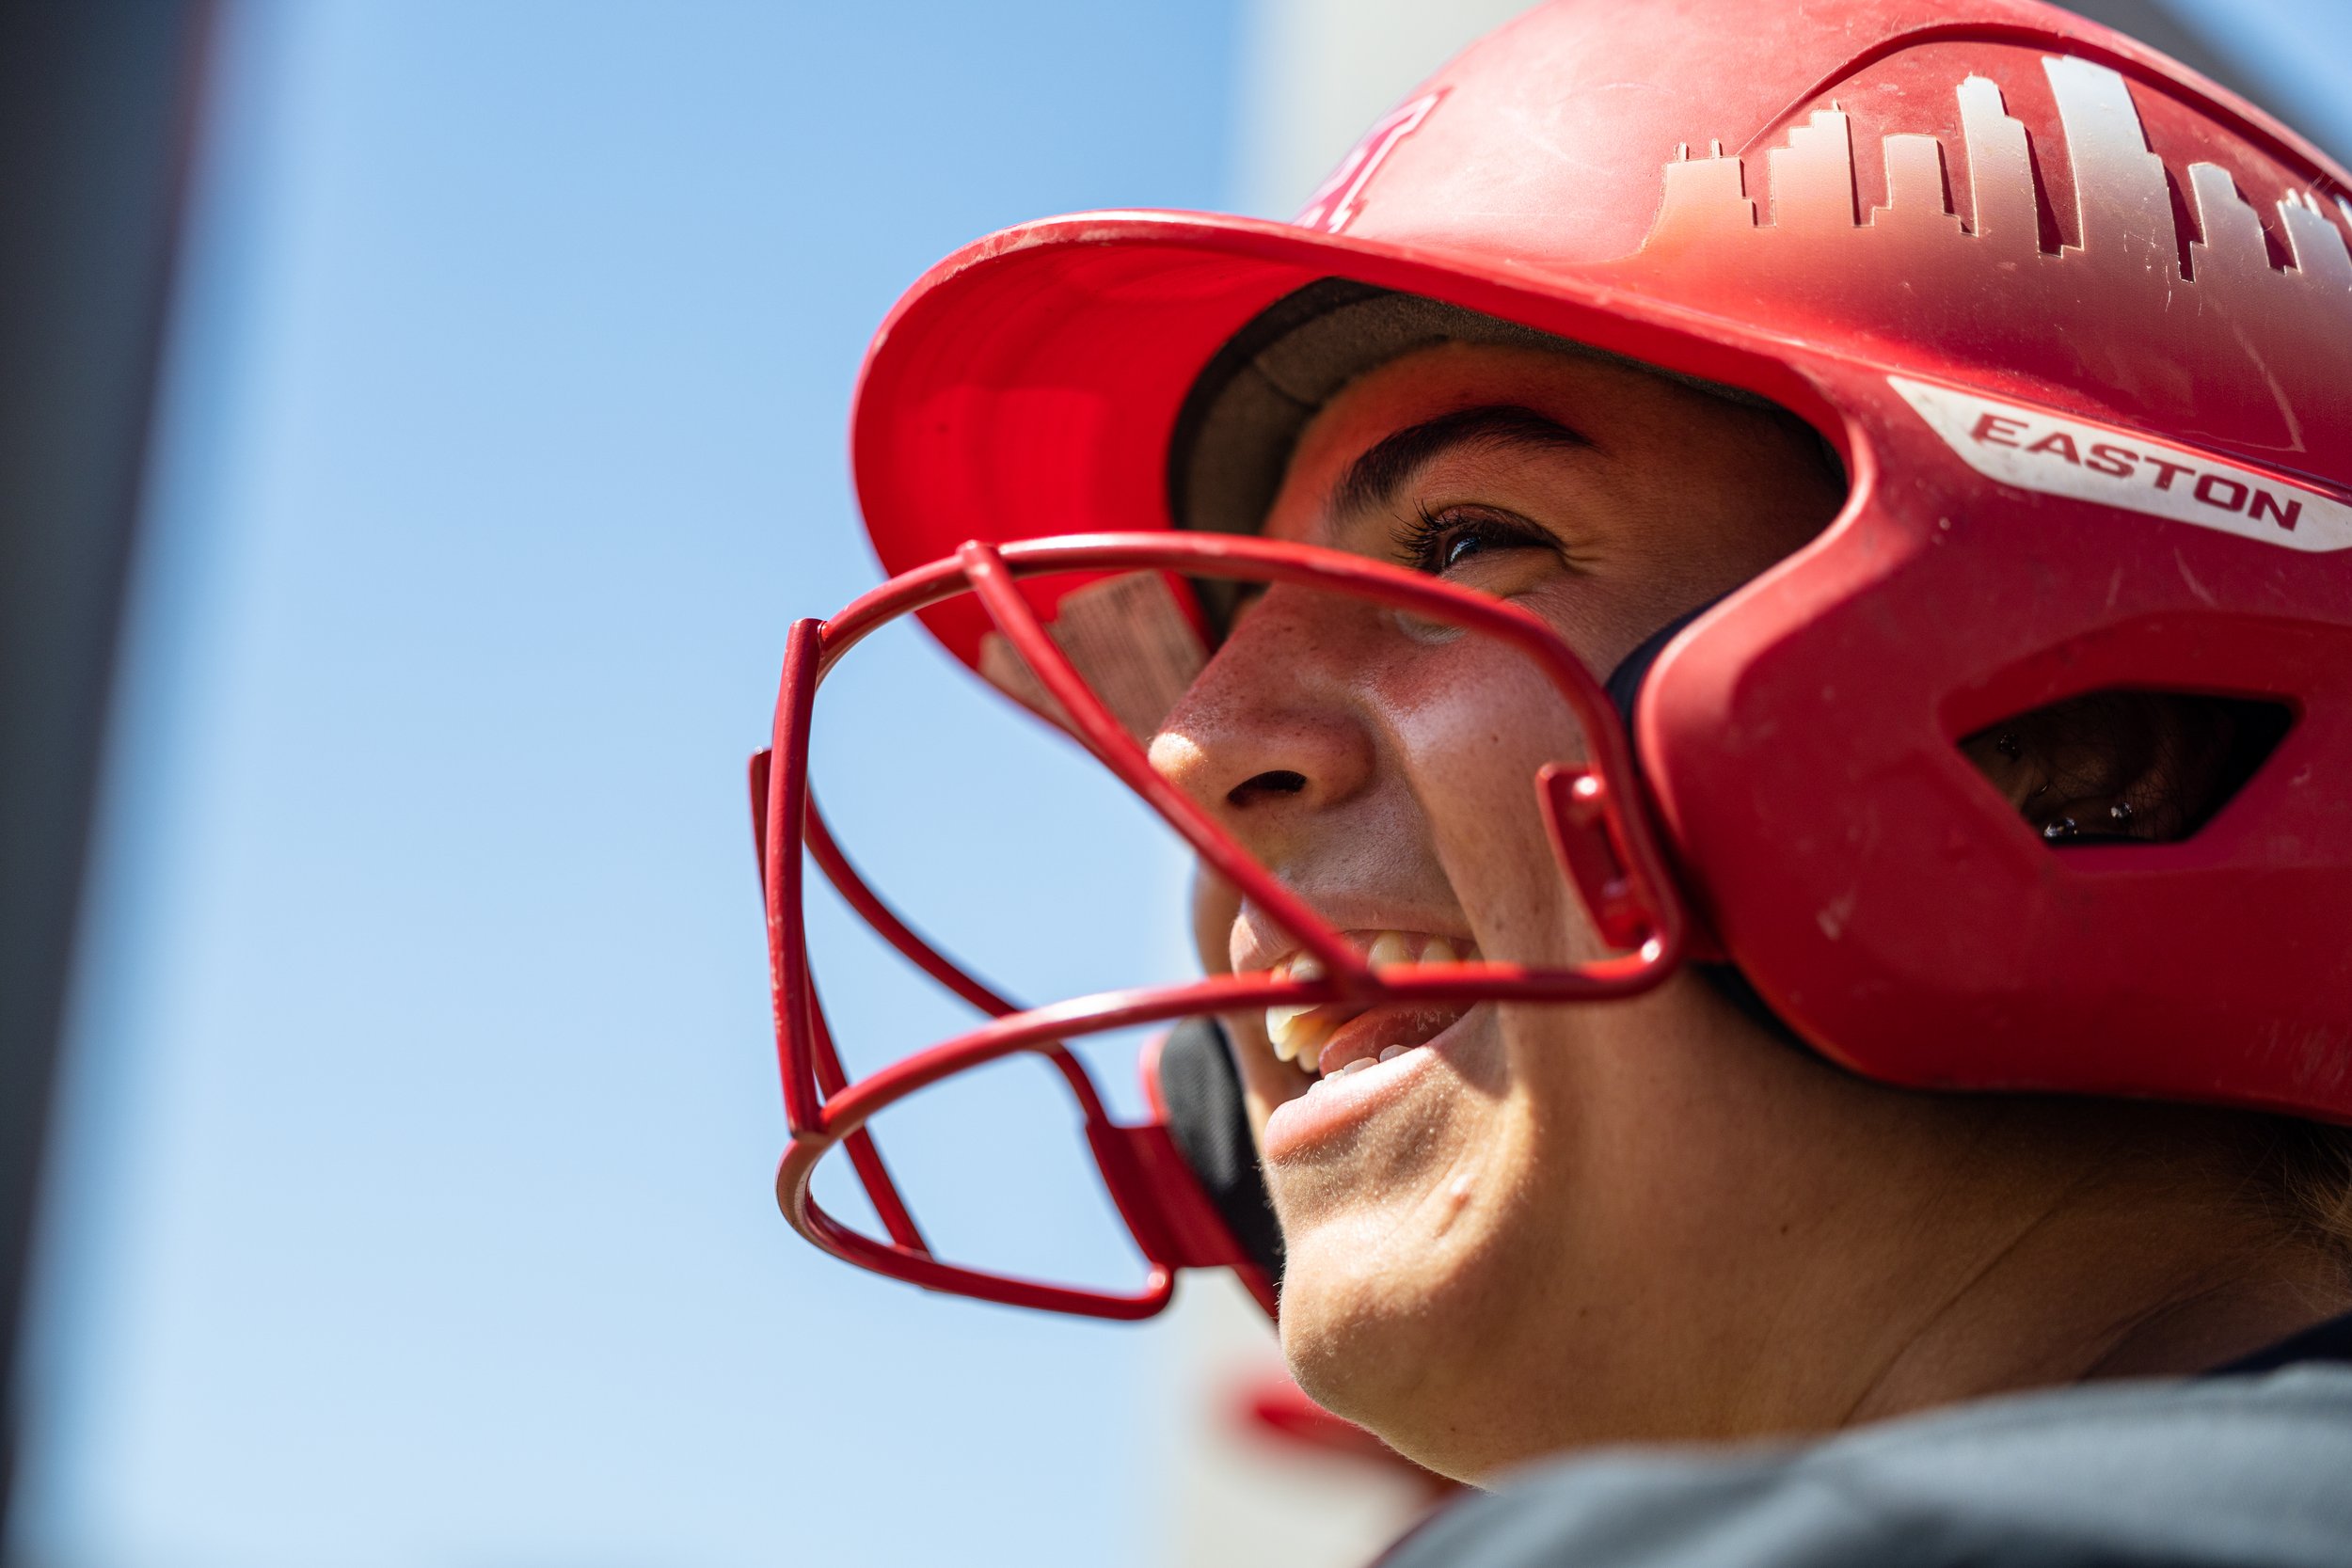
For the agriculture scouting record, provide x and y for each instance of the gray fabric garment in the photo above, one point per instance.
(2253, 1472)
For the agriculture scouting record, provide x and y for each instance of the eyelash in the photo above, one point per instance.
(1427, 544)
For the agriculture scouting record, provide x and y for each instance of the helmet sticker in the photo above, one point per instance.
(2033, 450)
(2124, 203)
(2252, 285)
(2225, 310)
(1334, 201)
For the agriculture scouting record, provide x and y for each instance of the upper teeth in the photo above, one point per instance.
(1297, 1037)
(1287, 1029)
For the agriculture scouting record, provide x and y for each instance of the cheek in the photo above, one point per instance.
(1215, 903)
(1474, 725)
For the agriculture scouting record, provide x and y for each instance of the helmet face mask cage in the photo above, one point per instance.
(1606, 847)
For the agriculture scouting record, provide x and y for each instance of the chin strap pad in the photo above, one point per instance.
(1198, 1093)
(1624, 687)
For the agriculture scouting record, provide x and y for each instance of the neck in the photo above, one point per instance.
(2137, 1263)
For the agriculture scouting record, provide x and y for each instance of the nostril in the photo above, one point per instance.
(1278, 781)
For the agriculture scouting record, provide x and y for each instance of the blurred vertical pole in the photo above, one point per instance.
(1315, 74)
(2189, 33)
(97, 107)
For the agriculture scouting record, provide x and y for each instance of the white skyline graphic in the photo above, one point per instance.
(2123, 198)
(1962, 262)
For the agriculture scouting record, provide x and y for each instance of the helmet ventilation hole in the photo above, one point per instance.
(2127, 766)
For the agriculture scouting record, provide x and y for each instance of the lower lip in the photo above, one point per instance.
(1336, 1104)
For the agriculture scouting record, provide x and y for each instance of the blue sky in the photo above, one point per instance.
(417, 1176)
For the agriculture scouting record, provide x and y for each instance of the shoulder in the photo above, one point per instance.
(2237, 1470)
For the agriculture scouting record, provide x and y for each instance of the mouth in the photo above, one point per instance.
(1328, 1041)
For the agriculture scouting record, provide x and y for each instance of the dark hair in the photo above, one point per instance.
(2305, 1170)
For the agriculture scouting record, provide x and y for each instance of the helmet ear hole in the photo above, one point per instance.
(2122, 765)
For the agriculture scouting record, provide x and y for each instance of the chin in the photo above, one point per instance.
(1394, 1337)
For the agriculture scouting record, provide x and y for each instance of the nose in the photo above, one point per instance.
(1273, 733)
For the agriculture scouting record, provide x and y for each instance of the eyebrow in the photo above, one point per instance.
(1374, 478)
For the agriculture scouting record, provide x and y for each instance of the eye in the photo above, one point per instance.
(1438, 543)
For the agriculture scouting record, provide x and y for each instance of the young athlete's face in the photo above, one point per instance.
(1498, 1215)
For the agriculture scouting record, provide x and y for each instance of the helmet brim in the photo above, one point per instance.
(1029, 385)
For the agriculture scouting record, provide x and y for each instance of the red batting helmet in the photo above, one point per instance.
(2079, 322)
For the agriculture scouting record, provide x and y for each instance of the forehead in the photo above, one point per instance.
(1618, 408)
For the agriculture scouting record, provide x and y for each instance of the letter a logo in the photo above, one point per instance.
(1334, 201)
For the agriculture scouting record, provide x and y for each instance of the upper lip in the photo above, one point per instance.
(1260, 944)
